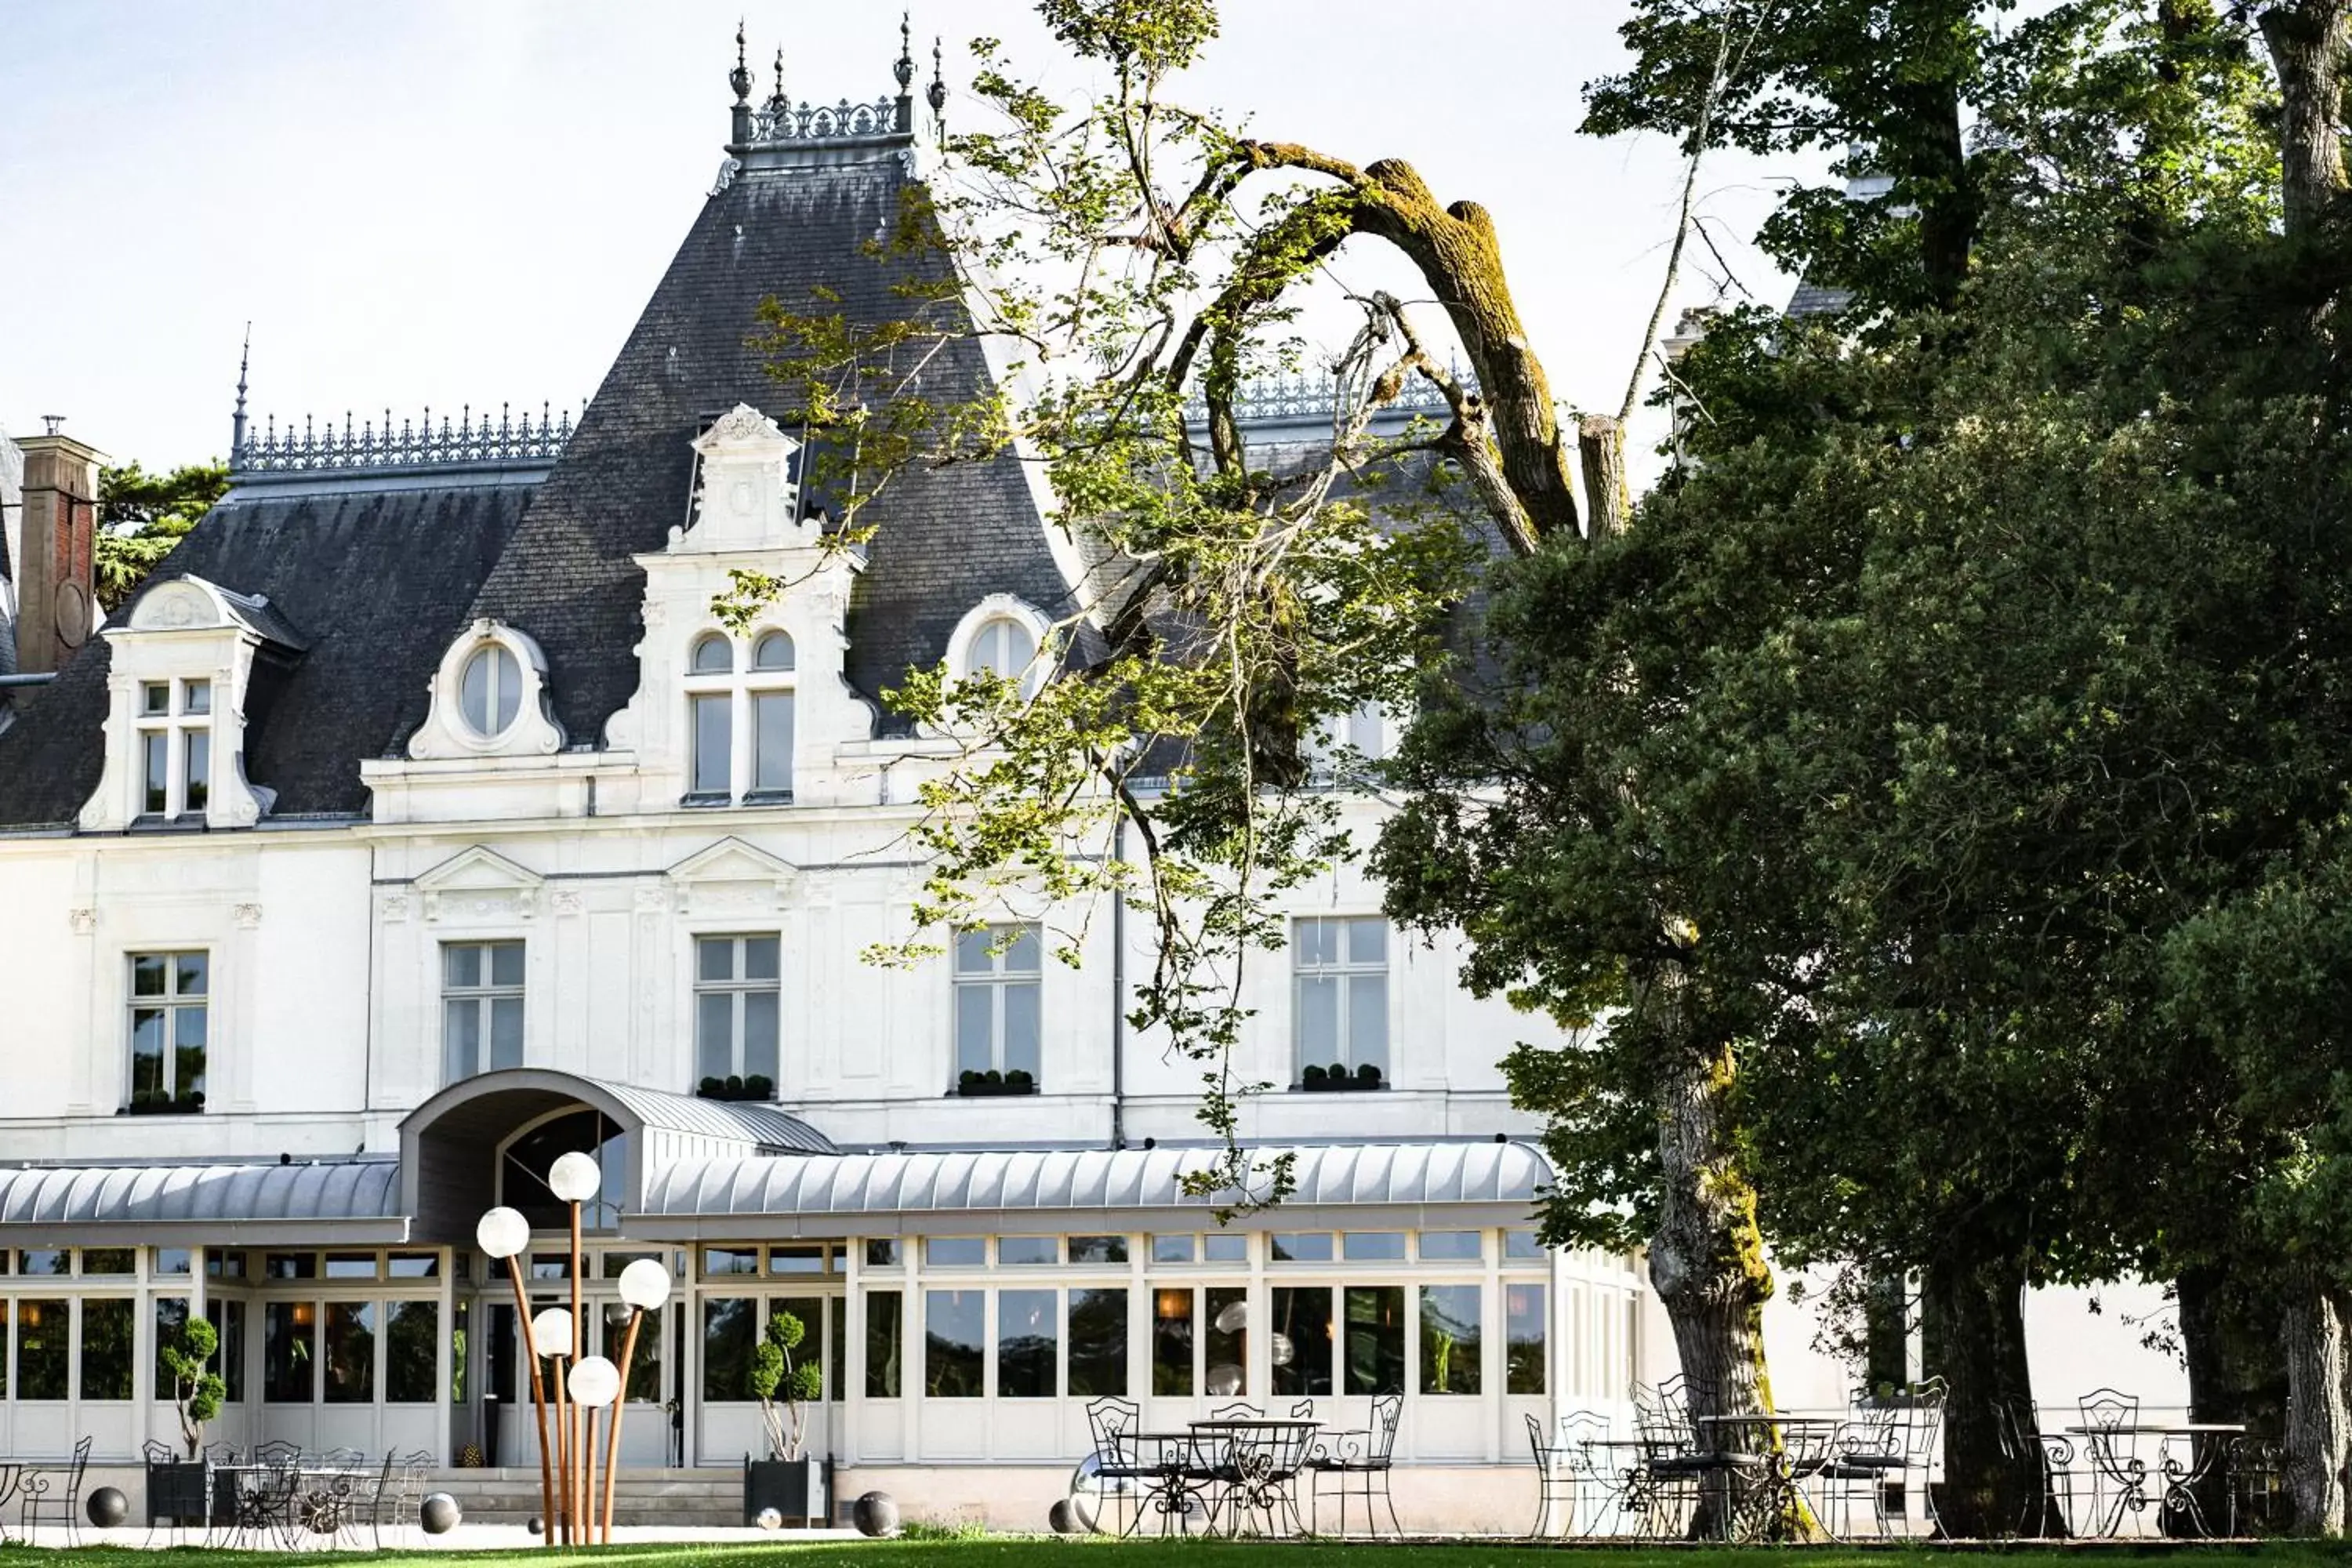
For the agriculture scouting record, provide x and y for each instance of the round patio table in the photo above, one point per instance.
(2180, 1476)
(1263, 1456)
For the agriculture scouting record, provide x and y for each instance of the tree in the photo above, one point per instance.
(142, 517)
(1146, 261)
(185, 1356)
(773, 1375)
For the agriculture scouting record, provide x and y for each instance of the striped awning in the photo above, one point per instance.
(353, 1201)
(880, 1194)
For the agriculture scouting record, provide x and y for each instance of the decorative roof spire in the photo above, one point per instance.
(739, 79)
(236, 424)
(778, 101)
(905, 69)
(937, 93)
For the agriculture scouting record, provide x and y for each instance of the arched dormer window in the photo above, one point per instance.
(739, 721)
(1004, 636)
(489, 698)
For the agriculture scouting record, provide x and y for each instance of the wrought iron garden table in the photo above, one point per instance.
(1259, 1461)
(1771, 1486)
(2180, 1472)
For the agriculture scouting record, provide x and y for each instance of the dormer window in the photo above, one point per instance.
(490, 691)
(1002, 647)
(756, 702)
(176, 747)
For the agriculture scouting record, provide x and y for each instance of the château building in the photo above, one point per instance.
(417, 821)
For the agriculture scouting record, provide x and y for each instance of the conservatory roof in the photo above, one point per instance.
(937, 1192)
(223, 1205)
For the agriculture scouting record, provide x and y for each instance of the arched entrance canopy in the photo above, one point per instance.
(449, 1144)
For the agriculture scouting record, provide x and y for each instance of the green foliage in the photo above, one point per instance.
(185, 1358)
(142, 517)
(773, 1375)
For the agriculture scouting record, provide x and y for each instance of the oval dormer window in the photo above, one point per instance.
(714, 655)
(1003, 647)
(490, 689)
(772, 652)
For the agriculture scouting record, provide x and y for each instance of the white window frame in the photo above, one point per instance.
(737, 988)
(1341, 968)
(998, 979)
(175, 727)
(492, 649)
(738, 686)
(170, 1004)
(483, 994)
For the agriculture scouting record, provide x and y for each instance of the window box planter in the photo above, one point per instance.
(148, 1102)
(757, 1087)
(979, 1084)
(1337, 1079)
(799, 1489)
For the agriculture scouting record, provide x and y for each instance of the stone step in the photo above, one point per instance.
(701, 1499)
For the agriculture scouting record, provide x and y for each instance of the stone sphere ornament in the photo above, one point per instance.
(770, 1519)
(439, 1514)
(1060, 1520)
(108, 1508)
(875, 1515)
(537, 1526)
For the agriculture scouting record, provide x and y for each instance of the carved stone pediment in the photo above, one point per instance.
(477, 882)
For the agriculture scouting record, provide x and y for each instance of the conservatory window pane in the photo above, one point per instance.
(1375, 1339)
(1302, 1340)
(954, 1323)
(1524, 1326)
(41, 1328)
(883, 1343)
(1171, 1342)
(729, 1325)
(1226, 1346)
(106, 1335)
(1097, 1343)
(1028, 1343)
(288, 1336)
(350, 1352)
(1450, 1339)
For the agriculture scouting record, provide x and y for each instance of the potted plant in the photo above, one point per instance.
(787, 1481)
(181, 1492)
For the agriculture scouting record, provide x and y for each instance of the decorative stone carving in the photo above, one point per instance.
(84, 922)
(248, 916)
(569, 904)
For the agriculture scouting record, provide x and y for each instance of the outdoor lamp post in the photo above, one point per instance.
(576, 1178)
(503, 1233)
(644, 1286)
(593, 1384)
(551, 1336)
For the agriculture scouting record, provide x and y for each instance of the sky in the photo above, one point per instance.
(452, 202)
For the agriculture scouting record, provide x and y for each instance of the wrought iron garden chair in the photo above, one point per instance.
(1114, 1477)
(2257, 1485)
(2050, 1512)
(399, 1489)
(2119, 1475)
(1359, 1464)
(53, 1493)
(1555, 1480)
(1863, 1452)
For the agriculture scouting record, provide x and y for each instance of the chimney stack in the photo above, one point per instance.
(56, 599)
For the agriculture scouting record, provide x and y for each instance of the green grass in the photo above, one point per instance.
(990, 1551)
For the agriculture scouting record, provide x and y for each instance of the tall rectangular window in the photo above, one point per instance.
(170, 1313)
(1028, 1343)
(1224, 1345)
(169, 1029)
(1171, 1340)
(229, 1321)
(1375, 1351)
(1099, 1343)
(412, 1348)
(105, 1334)
(738, 992)
(954, 1328)
(1303, 1317)
(350, 1352)
(174, 747)
(289, 1336)
(714, 736)
(1524, 1335)
(1339, 1013)
(481, 1006)
(996, 973)
(730, 1328)
(1450, 1339)
(883, 1343)
(42, 1326)
(772, 742)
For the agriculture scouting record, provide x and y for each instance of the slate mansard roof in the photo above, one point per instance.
(379, 573)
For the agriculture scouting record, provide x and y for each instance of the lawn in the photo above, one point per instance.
(982, 1552)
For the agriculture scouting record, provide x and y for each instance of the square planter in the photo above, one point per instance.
(184, 1493)
(796, 1488)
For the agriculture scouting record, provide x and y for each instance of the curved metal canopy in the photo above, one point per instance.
(345, 1201)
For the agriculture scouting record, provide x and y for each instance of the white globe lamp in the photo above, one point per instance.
(645, 1285)
(576, 1178)
(502, 1232)
(551, 1333)
(595, 1381)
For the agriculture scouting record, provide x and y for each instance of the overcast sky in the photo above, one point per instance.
(452, 201)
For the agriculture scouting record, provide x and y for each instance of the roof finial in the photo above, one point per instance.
(739, 79)
(779, 102)
(904, 69)
(937, 92)
(236, 424)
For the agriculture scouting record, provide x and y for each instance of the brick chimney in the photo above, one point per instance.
(56, 599)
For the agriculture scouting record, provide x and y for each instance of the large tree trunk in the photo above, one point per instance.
(2312, 1334)
(1974, 1311)
(2217, 1390)
(2307, 39)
